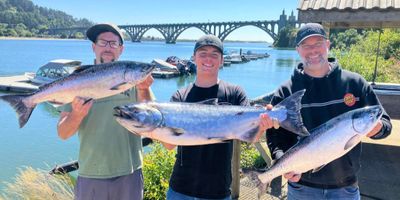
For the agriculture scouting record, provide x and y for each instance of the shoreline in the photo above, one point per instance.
(76, 39)
(33, 38)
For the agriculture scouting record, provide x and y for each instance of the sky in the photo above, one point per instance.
(130, 12)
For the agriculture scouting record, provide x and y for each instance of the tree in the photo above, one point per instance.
(343, 40)
(286, 37)
(27, 19)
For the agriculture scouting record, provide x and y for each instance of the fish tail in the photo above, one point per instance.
(23, 111)
(293, 121)
(255, 178)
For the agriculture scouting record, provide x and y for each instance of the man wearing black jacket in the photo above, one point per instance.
(330, 91)
(203, 172)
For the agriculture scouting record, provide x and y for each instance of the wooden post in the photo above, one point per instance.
(235, 186)
(377, 57)
(263, 150)
(277, 183)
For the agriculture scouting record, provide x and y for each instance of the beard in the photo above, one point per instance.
(102, 60)
(312, 63)
(107, 54)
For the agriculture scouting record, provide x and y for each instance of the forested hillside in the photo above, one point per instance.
(21, 18)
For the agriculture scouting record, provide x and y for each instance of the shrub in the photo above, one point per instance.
(361, 57)
(157, 169)
(250, 157)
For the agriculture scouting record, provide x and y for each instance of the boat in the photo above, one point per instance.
(235, 58)
(162, 65)
(53, 70)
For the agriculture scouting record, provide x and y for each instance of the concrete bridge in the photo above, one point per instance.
(171, 32)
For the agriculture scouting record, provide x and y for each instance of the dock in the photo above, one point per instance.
(17, 83)
(164, 74)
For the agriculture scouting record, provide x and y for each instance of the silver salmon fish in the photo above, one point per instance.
(89, 81)
(202, 123)
(326, 143)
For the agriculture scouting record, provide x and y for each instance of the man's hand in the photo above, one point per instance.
(143, 89)
(145, 85)
(80, 107)
(376, 129)
(292, 177)
(69, 122)
(266, 122)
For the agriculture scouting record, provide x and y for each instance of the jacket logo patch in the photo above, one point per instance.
(349, 99)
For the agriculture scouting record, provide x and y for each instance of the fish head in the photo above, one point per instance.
(365, 119)
(138, 118)
(137, 71)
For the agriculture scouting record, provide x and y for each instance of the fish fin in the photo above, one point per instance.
(177, 131)
(318, 168)
(224, 104)
(119, 86)
(240, 113)
(253, 177)
(82, 68)
(258, 106)
(55, 102)
(352, 142)
(293, 121)
(220, 139)
(87, 101)
(23, 111)
(262, 100)
(213, 101)
(249, 136)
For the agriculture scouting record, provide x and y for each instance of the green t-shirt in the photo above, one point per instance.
(106, 148)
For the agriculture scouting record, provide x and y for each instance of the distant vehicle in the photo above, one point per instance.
(53, 70)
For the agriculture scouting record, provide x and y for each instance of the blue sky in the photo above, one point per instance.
(124, 12)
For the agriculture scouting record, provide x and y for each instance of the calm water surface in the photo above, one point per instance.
(37, 144)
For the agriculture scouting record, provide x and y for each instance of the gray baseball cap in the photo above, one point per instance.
(97, 29)
(209, 40)
(308, 30)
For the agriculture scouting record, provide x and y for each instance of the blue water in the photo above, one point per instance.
(38, 145)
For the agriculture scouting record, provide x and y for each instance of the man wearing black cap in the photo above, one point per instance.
(330, 91)
(204, 172)
(110, 157)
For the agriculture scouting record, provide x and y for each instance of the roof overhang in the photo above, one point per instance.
(350, 13)
(352, 18)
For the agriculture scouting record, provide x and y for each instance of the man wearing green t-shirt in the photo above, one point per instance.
(110, 158)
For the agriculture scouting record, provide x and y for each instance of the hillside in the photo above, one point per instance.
(21, 18)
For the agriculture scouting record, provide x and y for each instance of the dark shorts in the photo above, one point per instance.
(129, 187)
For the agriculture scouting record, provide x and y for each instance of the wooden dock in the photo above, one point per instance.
(18, 83)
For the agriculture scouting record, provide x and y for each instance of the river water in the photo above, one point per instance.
(38, 145)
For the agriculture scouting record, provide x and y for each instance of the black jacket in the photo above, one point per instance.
(325, 98)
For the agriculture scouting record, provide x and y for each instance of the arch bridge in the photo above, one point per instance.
(171, 32)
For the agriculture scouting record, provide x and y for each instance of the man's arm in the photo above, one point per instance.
(384, 127)
(69, 122)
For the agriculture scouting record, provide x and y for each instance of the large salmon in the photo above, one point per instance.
(90, 81)
(202, 123)
(326, 143)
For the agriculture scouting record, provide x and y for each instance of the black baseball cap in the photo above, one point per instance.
(97, 29)
(308, 30)
(209, 40)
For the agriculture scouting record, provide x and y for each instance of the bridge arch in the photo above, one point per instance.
(227, 32)
(175, 36)
(253, 32)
